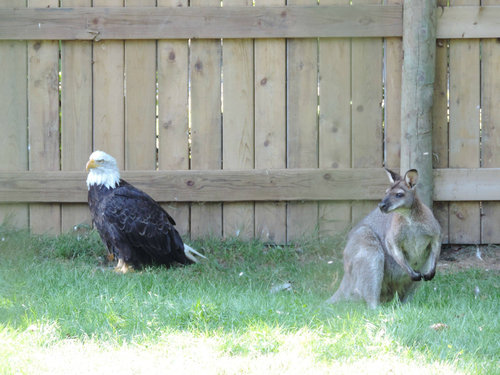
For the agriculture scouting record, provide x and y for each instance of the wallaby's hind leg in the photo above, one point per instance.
(363, 268)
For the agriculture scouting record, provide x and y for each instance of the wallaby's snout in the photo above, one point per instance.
(384, 207)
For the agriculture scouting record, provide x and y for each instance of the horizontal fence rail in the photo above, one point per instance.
(250, 185)
(199, 22)
(237, 22)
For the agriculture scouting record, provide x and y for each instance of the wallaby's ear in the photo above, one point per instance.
(411, 178)
(393, 176)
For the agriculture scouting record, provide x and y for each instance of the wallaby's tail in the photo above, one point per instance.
(191, 253)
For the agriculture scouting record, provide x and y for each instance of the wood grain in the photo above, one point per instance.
(227, 22)
(302, 127)
(173, 114)
(206, 124)
(334, 122)
(14, 122)
(392, 98)
(200, 22)
(366, 111)
(108, 93)
(238, 125)
(490, 140)
(140, 99)
(464, 128)
(206, 185)
(457, 184)
(76, 116)
(466, 184)
(440, 139)
(270, 126)
(470, 21)
(43, 116)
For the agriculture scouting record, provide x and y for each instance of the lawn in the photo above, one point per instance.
(248, 309)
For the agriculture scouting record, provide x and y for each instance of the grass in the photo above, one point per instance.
(63, 310)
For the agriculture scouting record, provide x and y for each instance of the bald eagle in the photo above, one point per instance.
(135, 228)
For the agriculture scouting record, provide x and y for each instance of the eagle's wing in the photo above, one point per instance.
(134, 193)
(145, 229)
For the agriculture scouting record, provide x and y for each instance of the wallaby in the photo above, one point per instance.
(391, 249)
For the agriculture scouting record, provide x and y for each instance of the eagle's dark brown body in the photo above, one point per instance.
(134, 227)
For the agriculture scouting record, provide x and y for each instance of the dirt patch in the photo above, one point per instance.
(456, 258)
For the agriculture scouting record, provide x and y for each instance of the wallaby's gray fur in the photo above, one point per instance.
(391, 249)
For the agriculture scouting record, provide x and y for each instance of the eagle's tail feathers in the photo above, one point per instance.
(191, 253)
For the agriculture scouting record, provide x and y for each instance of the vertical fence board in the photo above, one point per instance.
(205, 65)
(270, 127)
(367, 142)
(76, 115)
(173, 113)
(392, 98)
(440, 140)
(490, 76)
(43, 117)
(108, 95)
(334, 121)
(238, 125)
(13, 122)
(464, 129)
(140, 99)
(302, 124)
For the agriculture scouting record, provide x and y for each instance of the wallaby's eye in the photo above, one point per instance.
(400, 195)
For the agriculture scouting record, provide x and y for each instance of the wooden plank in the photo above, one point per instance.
(440, 141)
(14, 121)
(270, 126)
(457, 184)
(490, 138)
(392, 98)
(367, 151)
(200, 22)
(76, 116)
(470, 21)
(305, 22)
(140, 99)
(181, 23)
(471, 184)
(173, 114)
(43, 116)
(206, 185)
(464, 129)
(302, 127)
(238, 125)
(334, 122)
(206, 124)
(108, 94)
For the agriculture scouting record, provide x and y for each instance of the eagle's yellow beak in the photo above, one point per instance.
(91, 164)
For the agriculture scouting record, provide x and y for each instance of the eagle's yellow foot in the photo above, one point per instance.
(111, 257)
(123, 267)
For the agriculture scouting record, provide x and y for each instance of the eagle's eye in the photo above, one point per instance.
(100, 161)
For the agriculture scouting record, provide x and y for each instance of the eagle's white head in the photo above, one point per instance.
(103, 170)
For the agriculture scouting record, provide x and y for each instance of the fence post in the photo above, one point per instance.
(419, 48)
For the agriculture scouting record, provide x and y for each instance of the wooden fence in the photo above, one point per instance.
(251, 120)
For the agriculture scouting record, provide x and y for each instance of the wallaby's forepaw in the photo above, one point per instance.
(430, 275)
(416, 276)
